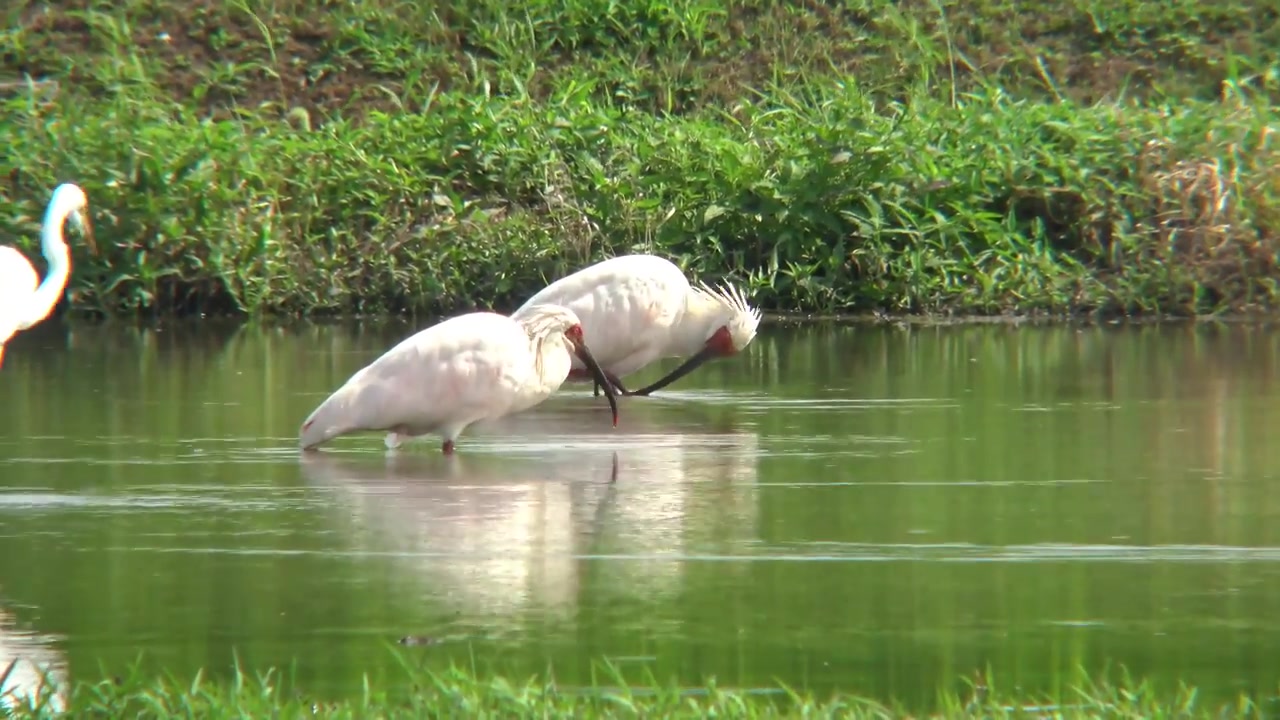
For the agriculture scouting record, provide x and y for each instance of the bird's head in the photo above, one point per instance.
(545, 321)
(70, 203)
(720, 323)
(732, 321)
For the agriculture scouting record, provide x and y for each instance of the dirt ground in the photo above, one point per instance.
(215, 56)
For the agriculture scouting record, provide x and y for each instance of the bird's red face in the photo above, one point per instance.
(574, 336)
(721, 343)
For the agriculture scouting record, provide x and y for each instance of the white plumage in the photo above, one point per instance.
(637, 309)
(478, 366)
(23, 302)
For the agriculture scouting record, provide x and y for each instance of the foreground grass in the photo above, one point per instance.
(462, 694)
(285, 156)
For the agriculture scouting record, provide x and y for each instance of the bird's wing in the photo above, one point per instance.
(18, 282)
(459, 370)
(467, 362)
(627, 305)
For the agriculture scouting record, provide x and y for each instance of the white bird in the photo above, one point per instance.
(22, 302)
(638, 309)
(32, 671)
(478, 366)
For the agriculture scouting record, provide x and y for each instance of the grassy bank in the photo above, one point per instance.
(852, 155)
(462, 694)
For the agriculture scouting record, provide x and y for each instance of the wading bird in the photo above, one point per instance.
(22, 302)
(478, 366)
(638, 309)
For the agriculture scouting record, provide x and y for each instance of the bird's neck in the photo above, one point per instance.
(58, 256)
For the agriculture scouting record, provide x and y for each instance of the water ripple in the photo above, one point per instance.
(765, 401)
(832, 552)
(20, 500)
(931, 483)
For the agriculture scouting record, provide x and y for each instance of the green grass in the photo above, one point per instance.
(260, 156)
(461, 693)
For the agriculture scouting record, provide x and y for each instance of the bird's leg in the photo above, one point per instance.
(616, 382)
(613, 380)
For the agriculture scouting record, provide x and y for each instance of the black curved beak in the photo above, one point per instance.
(688, 366)
(580, 349)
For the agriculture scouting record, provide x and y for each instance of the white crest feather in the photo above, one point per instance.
(543, 321)
(743, 320)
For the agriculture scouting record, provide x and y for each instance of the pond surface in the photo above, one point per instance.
(877, 509)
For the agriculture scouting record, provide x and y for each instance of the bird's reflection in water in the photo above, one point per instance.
(504, 525)
(30, 660)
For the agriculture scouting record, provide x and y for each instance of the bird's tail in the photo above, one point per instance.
(1, 354)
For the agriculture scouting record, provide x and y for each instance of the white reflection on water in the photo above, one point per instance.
(492, 534)
(33, 658)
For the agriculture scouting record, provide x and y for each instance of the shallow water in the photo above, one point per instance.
(876, 509)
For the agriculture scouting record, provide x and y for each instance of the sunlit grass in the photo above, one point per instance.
(461, 693)
(351, 157)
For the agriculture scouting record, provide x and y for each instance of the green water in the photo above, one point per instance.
(876, 509)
